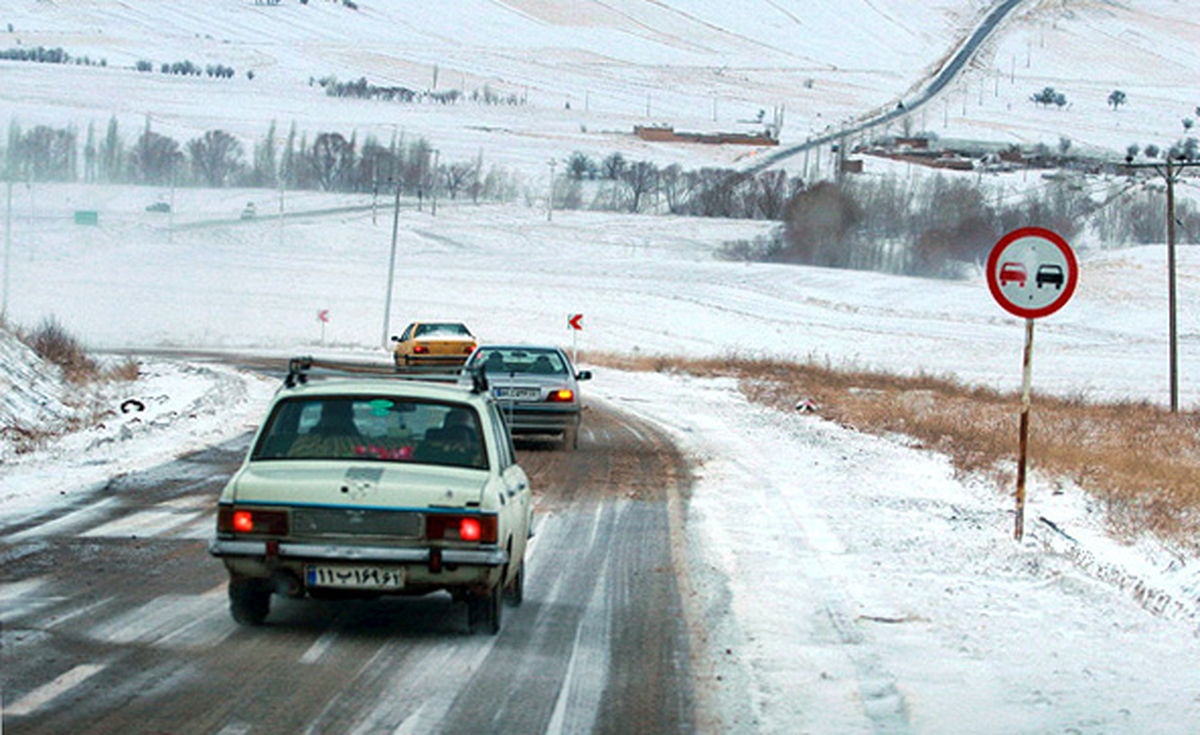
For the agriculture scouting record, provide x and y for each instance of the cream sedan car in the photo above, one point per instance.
(377, 486)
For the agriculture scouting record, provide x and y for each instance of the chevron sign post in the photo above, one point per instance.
(575, 324)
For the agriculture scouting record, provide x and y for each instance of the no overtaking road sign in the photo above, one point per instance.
(1032, 272)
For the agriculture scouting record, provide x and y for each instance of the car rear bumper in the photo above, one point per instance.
(292, 551)
(443, 359)
(538, 419)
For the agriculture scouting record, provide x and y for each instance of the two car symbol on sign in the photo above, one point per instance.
(1047, 274)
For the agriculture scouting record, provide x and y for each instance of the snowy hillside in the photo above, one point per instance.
(32, 392)
(589, 73)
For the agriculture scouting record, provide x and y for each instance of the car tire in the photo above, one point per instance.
(249, 600)
(484, 611)
(570, 439)
(514, 593)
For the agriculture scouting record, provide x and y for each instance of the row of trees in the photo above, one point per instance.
(362, 89)
(615, 183)
(943, 227)
(327, 162)
(43, 55)
(187, 68)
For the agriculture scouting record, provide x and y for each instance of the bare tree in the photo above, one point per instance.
(613, 166)
(640, 178)
(332, 158)
(459, 176)
(47, 154)
(153, 158)
(216, 157)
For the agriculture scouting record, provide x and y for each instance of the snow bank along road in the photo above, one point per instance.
(115, 618)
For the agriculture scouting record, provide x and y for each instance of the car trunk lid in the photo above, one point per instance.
(359, 484)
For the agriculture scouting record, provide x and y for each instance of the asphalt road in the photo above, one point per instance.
(115, 617)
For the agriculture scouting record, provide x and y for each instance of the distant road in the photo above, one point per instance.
(938, 83)
(268, 217)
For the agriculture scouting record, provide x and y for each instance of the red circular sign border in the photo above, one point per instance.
(1055, 239)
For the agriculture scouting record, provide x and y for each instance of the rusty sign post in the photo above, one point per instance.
(1023, 440)
(1032, 273)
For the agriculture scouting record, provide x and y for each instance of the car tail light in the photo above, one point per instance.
(566, 395)
(469, 529)
(420, 350)
(241, 520)
(453, 527)
(468, 349)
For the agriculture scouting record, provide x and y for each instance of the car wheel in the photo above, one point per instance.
(484, 611)
(249, 600)
(570, 439)
(514, 594)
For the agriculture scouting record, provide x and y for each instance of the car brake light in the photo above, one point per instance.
(469, 530)
(243, 520)
(454, 527)
(272, 522)
(565, 395)
(468, 349)
(420, 349)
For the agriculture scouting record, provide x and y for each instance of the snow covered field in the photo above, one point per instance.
(917, 612)
(941, 622)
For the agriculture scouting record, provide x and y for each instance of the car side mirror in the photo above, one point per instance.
(583, 375)
(395, 338)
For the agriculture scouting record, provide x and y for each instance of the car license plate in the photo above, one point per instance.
(519, 394)
(361, 578)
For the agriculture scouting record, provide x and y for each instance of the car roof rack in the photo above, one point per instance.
(300, 369)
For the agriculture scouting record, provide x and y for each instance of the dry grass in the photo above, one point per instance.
(125, 371)
(1140, 461)
(55, 345)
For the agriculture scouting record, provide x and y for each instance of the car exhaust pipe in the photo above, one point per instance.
(285, 583)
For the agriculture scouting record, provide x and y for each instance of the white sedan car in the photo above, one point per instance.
(376, 486)
(537, 388)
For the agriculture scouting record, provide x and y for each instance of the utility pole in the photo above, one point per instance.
(387, 301)
(374, 188)
(550, 198)
(1170, 173)
(282, 187)
(171, 208)
(7, 248)
(1171, 287)
(434, 186)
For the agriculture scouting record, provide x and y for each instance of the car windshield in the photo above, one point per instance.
(520, 360)
(373, 428)
(441, 330)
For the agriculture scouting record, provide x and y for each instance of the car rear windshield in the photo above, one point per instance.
(517, 360)
(441, 330)
(373, 429)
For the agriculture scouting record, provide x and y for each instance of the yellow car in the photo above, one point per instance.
(433, 343)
